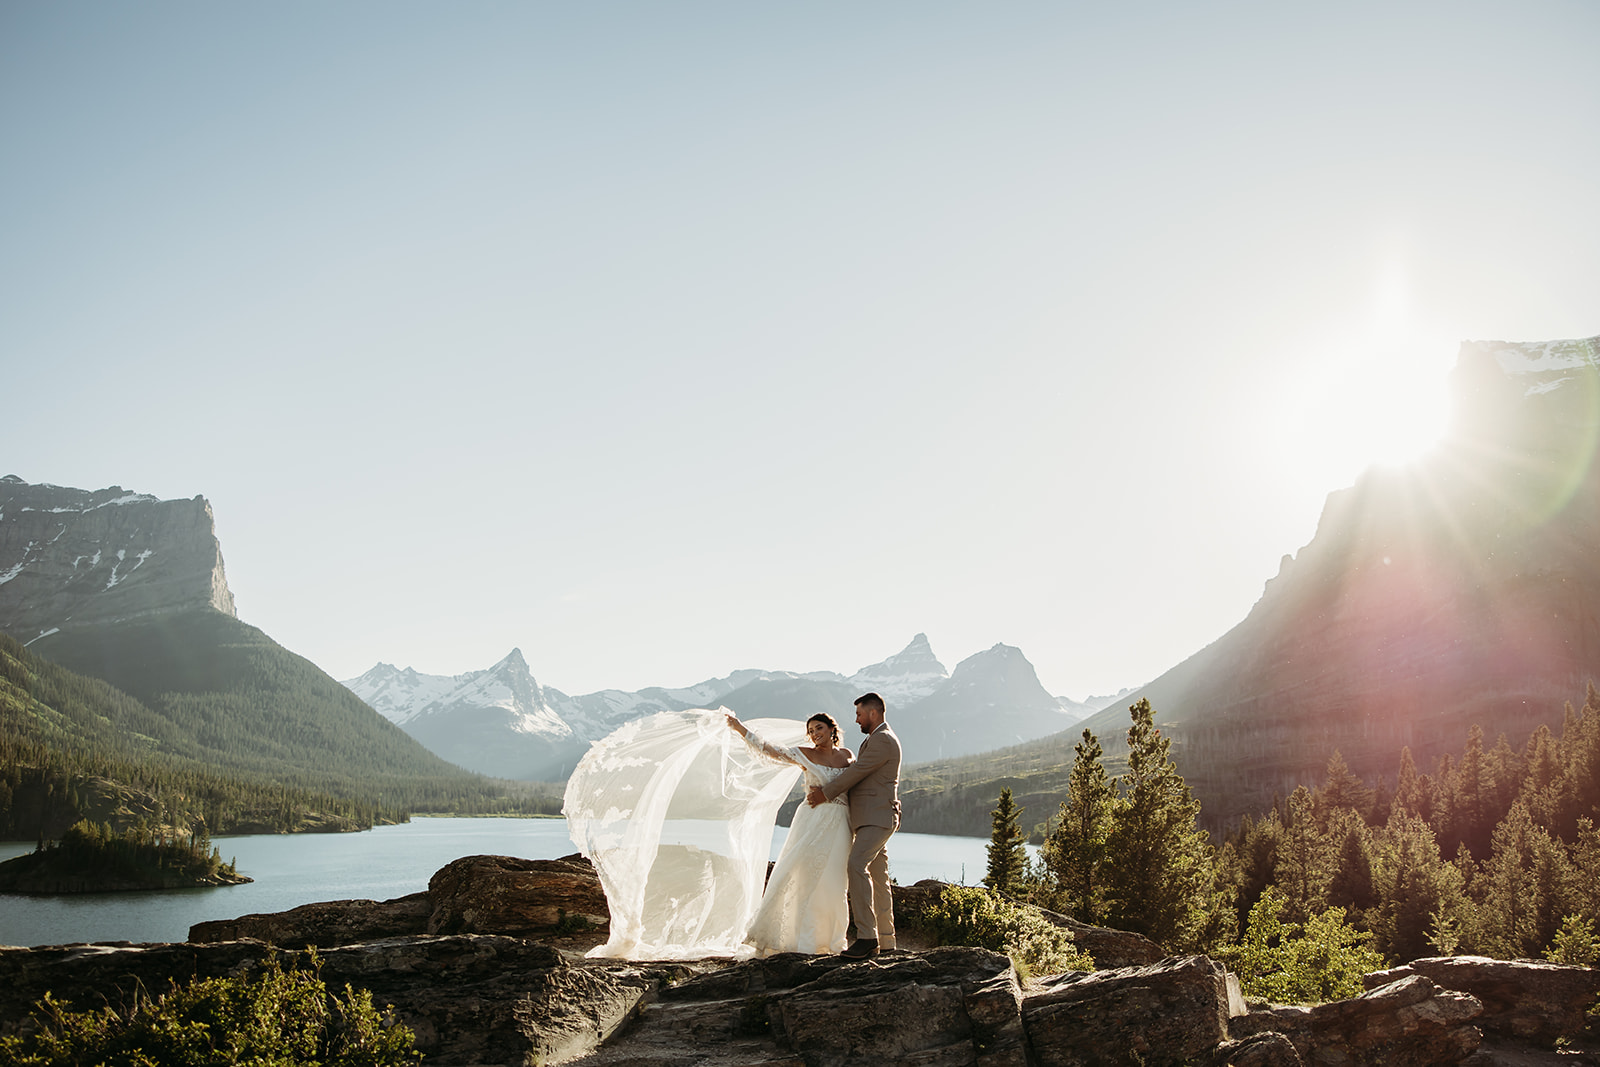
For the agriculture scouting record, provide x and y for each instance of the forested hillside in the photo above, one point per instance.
(1493, 851)
(75, 747)
(953, 796)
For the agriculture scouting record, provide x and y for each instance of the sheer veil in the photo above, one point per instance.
(676, 812)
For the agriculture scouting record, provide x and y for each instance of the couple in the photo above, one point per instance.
(838, 836)
(676, 813)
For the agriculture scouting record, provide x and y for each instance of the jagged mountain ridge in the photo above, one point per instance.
(1462, 589)
(501, 721)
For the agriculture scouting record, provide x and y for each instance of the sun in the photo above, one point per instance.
(1375, 395)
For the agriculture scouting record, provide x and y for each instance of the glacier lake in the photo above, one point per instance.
(377, 864)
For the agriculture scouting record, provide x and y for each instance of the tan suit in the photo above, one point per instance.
(873, 782)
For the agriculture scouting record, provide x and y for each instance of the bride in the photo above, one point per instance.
(804, 907)
(676, 812)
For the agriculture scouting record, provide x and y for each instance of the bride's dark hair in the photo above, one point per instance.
(824, 717)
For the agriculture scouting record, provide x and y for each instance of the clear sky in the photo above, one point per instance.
(666, 339)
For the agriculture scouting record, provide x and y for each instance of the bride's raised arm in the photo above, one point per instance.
(759, 744)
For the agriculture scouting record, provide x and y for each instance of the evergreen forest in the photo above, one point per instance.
(1493, 852)
(74, 747)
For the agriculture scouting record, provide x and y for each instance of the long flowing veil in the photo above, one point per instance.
(676, 813)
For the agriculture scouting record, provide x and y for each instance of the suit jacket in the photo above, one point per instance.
(873, 781)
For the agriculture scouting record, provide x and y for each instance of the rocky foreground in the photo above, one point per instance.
(487, 968)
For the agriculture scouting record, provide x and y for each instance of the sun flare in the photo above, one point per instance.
(1377, 396)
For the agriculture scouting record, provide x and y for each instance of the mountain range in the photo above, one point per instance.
(1460, 590)
(501, 721)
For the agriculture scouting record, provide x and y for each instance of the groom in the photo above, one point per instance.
(873, 782)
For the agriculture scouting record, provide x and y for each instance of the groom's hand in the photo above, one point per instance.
(815, 795)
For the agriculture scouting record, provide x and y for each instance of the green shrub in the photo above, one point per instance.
(1287, 963)
(972, 915)
(277, 1019)
(1574, 943)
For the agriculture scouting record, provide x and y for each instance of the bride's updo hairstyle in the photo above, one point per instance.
(827, 720)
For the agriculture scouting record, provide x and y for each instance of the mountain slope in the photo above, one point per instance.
(231, 696)
(74, 747)
(1463, 589)
(129, 589)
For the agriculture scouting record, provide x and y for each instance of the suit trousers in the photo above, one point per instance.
(871, 904)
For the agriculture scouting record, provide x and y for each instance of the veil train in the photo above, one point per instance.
(676, 813)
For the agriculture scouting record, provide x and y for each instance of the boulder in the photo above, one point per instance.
(1407, 1023)
(1110, 949)
(1528, 1000)
(324, 924)
(945, 1006)
(508, 895)
(1171, 1012)
(471, 895)
(1266, 1049)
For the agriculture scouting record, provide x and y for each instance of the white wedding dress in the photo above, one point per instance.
(676, 811)
(804, 908)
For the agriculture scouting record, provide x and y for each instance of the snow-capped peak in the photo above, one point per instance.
(910, 674)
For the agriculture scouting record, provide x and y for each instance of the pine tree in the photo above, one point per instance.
(1523, 890)
(1074, 853)
(1413, 792)
(1470, 820)
(1257, 856)
(1416, 889)
(1305, 859)
(1008, 858)
(1161, 868)
(1341, 791)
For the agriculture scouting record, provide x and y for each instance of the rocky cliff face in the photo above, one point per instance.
(1462, 589)
(72, 558)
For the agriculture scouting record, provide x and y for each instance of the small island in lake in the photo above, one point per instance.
(92, 858)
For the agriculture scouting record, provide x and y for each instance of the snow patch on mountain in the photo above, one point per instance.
(502, 721)
(1540, 360)
(905, 677)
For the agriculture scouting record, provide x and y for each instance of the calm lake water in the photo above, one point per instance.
(379, 864)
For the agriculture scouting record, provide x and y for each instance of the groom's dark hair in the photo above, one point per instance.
(871, 700)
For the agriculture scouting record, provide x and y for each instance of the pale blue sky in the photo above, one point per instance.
(662, 340)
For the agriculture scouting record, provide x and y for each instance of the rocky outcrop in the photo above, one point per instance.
(1527, 1000)
(70, 558)
(1165, 1013)
(506, 895)
(470, 999)
(1404, 1023)
(488, 998)
(323, 924)
(950, 1005)
(471, 895)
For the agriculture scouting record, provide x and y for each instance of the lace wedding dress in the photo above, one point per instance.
(676, 812)
(804, 907)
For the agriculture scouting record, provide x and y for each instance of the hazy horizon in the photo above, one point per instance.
(661, 342)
